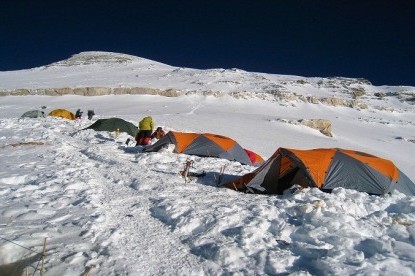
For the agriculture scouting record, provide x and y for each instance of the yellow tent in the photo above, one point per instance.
(63, 113)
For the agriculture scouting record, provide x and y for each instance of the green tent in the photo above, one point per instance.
(33, 114)
(113, 124)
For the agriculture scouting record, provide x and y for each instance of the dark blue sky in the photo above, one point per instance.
(369, 39)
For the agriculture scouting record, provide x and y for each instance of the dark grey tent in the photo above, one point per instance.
(112, 124)
(34, 114)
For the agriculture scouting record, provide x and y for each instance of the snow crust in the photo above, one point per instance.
(108, 209)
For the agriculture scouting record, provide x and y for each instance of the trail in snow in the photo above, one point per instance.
(124, 195)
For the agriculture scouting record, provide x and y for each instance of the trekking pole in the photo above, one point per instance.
(42, 268)
(222, 170)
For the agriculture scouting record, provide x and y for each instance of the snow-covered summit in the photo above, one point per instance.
(97, 57)
(108, 69)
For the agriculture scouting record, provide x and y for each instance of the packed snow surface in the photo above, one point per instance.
(106, 208)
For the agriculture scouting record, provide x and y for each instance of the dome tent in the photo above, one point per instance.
(62, 113)
(325, 169)
(206, 144)
(112, 124)
(33, 114)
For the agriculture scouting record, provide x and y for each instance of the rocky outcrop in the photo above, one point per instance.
(312, 99)
(357, 92)
(274, 95)
(323, 125)
(342, 84)
(16, 92)
(354, 103)
(92, 91)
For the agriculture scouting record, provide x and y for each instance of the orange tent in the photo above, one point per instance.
(325, 169)
(207, 144)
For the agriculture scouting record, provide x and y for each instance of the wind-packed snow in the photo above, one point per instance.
(106, 208)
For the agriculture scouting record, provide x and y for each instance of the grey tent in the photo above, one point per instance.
(112, 124)
(33, 114)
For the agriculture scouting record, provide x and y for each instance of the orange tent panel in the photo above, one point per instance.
(258, 158)
(316, 161)
(222, 141)
(183, 140)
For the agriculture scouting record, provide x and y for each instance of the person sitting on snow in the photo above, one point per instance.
(159, 133)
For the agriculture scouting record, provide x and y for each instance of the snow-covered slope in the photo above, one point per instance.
(106, 208)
